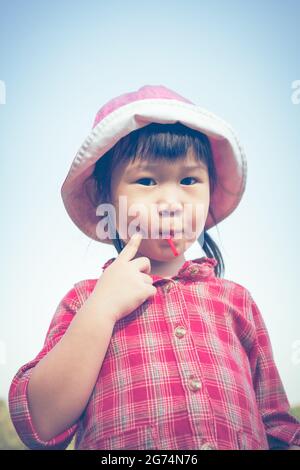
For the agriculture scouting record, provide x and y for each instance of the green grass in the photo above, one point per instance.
(296, 411)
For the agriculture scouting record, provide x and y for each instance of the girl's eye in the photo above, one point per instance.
(190, 178)
(150, 179)
(144, 179)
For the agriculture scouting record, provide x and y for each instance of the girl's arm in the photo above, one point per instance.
(62, 382)
(271, 398)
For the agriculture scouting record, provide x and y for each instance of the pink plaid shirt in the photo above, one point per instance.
(190, 368)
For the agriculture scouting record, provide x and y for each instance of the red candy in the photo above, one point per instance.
(172, 246)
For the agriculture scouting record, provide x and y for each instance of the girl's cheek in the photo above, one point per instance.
(199, 218)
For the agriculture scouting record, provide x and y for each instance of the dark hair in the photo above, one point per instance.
(155, 142)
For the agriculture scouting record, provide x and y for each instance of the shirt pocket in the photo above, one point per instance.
(138, 438)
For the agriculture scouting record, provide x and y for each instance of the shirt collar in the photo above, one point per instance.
(193, 270)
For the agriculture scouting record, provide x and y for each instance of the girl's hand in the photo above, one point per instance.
(125, 283)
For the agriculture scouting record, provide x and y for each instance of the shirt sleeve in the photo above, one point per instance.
(281, 427)
(17, 397)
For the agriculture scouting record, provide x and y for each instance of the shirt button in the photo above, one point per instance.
(180, 331)
(168, 286)
(194, 384)
(207, 446)
(194, 270)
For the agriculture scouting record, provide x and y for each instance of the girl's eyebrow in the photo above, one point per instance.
(145, 166)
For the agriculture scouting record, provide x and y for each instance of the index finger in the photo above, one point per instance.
(131, 248)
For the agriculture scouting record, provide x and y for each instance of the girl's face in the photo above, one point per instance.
(168, 196)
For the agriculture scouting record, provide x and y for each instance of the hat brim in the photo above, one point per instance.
(229, 157)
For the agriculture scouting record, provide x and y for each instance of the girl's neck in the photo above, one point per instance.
(167, 268)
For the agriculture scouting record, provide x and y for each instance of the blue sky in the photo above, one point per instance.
(61, 61)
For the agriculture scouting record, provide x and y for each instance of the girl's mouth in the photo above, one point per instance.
(169, 233)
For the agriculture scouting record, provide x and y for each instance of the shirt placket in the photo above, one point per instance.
(197, 398)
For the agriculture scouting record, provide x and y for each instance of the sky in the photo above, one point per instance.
(60, 61)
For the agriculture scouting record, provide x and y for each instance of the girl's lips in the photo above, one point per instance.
(169, 233)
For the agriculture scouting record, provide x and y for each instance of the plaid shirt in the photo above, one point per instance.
(190, 368)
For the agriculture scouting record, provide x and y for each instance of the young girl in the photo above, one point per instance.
(159, 352)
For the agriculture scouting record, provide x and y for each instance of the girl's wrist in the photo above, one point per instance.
(101, 307)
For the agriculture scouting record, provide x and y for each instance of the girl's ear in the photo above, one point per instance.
(91, 190)
(96, 192)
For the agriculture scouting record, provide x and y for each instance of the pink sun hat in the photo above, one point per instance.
(134, 110)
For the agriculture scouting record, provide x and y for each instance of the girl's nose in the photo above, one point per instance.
(168, 209)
